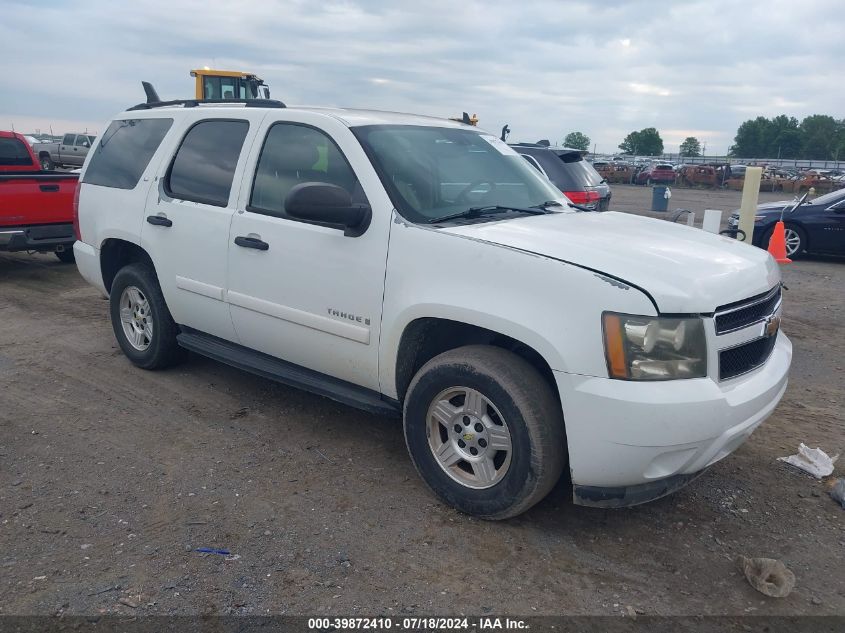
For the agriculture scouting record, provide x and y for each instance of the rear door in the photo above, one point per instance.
(186, 224)
(66, 149)
(311, 295)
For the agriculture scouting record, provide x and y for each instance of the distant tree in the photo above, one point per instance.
(690, 147)
(820, 133)
(751, 140)
(577, 140)
(646, 142)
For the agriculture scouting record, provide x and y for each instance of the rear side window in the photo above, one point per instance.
(204, 166)
(558, 172)
(124, 151)
(68, 139)
(13, 152)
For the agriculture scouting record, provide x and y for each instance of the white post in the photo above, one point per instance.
(748, 208)
(712, 220)
(691, 218)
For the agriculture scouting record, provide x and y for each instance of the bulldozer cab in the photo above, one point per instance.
(227, 84)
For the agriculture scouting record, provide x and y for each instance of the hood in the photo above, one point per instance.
(684, 269)
(770, 207)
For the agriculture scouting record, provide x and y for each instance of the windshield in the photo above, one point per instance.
(431, 172)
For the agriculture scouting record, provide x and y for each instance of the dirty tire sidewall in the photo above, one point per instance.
(530, 409)
(163, 349)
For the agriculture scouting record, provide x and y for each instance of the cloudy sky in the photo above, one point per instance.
(605, 68)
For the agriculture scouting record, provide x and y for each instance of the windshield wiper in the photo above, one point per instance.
(548, 203)
(477, 212)
(555, 203)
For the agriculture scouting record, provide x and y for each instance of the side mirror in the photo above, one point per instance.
(323, 203)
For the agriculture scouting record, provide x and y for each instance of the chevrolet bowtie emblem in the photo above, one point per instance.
(772, 326)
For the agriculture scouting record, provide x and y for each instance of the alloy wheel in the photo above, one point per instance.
(469, 438)
(136, 318)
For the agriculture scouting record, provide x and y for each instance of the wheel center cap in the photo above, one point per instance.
(468, 437)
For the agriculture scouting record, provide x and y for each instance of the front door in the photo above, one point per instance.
(305, 293)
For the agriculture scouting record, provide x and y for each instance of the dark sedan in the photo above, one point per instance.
(817, 226)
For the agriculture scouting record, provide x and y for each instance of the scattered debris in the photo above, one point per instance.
(106, 590)
(129, 603)
(767, 575)
(811, 460)
(211, 550)
(837, 492)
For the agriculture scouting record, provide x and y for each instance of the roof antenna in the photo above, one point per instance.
(152, 95)
(505, 132)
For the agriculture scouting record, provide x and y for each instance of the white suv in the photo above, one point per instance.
(416, 266)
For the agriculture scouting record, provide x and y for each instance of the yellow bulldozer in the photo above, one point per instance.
(229, 84)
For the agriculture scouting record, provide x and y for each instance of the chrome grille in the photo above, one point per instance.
(735, 316)
(743, 358)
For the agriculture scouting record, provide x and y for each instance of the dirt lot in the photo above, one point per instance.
(111, 477)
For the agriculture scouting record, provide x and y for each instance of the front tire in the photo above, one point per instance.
(796, 240)
(142, 324)
(485, 431)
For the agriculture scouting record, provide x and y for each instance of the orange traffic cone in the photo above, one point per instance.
(777, 244)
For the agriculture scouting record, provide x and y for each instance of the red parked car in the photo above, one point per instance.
(656, 174)
(36, 207)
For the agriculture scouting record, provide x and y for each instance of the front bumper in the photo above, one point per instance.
(45, 237)
(652, 436)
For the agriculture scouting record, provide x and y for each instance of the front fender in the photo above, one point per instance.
(551, 306)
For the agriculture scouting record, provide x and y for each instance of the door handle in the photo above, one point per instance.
(251, 242)
(159, 220)
(48, 188)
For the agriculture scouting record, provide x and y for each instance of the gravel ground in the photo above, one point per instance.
(111, 477)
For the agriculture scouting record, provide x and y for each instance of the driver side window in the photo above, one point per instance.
(293, 154)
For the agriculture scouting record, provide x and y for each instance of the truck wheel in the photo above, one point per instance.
(47, 163)
(66, 256)
(484, 431)
(141, 321)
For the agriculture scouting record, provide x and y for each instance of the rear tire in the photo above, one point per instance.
(47, 163)
(485, 431)
(142, 324)
(66, 256)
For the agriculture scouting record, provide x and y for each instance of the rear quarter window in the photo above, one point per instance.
(204, 165)
(558, 172)
(13, 153)
(124, 151)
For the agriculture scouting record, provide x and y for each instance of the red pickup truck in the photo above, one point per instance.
(36, 207)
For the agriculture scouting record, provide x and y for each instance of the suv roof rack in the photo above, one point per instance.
(153, 101)
(192, 103)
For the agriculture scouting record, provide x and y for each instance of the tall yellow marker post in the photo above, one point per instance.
(748, 208)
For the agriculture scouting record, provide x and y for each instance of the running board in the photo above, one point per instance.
(287, 373)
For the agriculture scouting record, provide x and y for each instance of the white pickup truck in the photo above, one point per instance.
(416, 266)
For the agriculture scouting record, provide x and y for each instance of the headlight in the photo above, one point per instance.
(652, 348)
